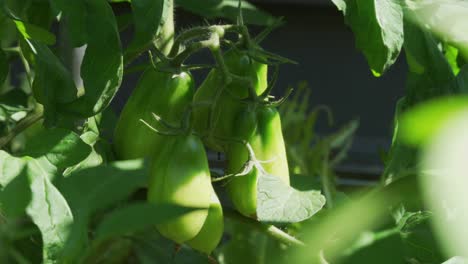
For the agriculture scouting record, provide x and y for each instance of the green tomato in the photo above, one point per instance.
(223, 112)
(266, 139)
(180, 175)
(209, 236)
(165, 94)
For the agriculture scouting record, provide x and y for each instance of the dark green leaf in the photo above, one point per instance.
(430, 74)
(102, 66)
(378, 29)
(227, 9)
(378, 248)
(280, 203)
(136, 217)
(27, 30)
(91, 189)
(148, 16)
(53, 83)
(74, 16)
(96, 188)
(32, 32)
(462, 80)
(61, 147)
(4, 68)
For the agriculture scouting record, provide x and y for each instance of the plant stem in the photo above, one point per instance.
(327, 184)
(20, 127)
(199, 32)
(270, 230)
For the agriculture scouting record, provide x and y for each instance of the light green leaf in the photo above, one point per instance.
(227, 9)
(27, 189)
(280, 203)
(136, 217)
(451, 54)
(420, 124)
(378, 29)
(49, 211)
(61, 147)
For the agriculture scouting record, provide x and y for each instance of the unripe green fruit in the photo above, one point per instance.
(223, 112)
(262, 130)
(163, 93)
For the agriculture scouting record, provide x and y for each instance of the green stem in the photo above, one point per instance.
(20, 127)
(199, 32)
(270, 230)
(27, 69)
(327, 184)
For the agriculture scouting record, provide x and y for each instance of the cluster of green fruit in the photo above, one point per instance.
(230, 112)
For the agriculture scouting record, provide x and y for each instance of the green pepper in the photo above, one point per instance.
(163, 93)
(261, 128)
(180, 175)
(224, 110)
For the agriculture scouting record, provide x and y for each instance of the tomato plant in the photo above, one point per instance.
(81, 183)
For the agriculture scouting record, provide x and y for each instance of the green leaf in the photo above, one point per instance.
(27, 188)
(94, 158)
(136, 217)
(430, 74)
(61, 147)
(378, 29)
(280, 203)
(451, 54)
(13, 181)
(4, 67)
(445, 19)
(32, 32)
(102, 67)
(53, 83)
(96, 188)
(50, 212)
(148, 16)
(27, 30)
(227, 9)
(462, 80)
(420, 124)
(74, 16)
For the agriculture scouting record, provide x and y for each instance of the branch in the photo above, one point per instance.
(270, 230)
(20, 127)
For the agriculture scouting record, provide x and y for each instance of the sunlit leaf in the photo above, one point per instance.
(280, 203)
(378, 29)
